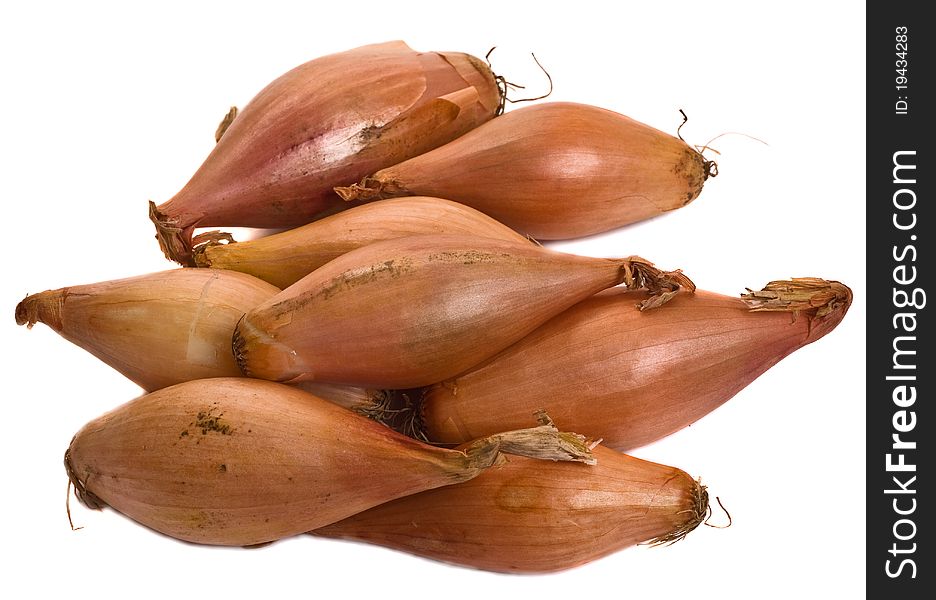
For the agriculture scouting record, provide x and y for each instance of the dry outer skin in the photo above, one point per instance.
(526, 516)
(553, 171)
(410, 311)
(631, 377)
(325, 123)
(170, 327)
(235, 461)
(158, 329)
(287, 257)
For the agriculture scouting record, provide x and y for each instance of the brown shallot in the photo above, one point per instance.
(527, 516)
(157, 329)
(325, 123)
(634, 377)
(285, 258)
(236, 461)
(553, 171)
(411, 311)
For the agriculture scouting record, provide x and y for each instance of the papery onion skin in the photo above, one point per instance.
(325, 123)
(555, 170)
(285, 258)
(368, 402)
(235, 461)
(406, 312)
(628, 377)
(157, 329)
(527, 516)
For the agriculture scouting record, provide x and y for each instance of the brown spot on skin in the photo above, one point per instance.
(345, 281)
(468, 257)
(207, 421)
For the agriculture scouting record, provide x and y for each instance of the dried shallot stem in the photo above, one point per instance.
(173, 239)
(817, 297)
(639, 273)
(369, 189)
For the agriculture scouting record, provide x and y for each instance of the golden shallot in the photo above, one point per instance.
(527, 516)
(553, 171)
(325, 123)
(236, 461)
(632, 377)
(411, 311)
(285, 258)
(157, 329)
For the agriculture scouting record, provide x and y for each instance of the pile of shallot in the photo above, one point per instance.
(405, 364)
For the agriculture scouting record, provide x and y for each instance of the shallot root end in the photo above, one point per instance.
(81, 492)
(700, 512)
(394, 409)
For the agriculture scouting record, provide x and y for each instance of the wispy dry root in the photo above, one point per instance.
(81, 492)
(699, 513)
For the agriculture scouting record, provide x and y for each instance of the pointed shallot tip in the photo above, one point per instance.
(212, 238)
(199, 257)
(543, 442)
(225, 123)
(26, 312)
(203, 241)
(368, 189)
(173, 240)
(812, 295)
(577, 446)
(639, 273)
(699, 513)
(44, 307)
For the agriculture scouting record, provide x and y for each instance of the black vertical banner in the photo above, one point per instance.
(901, 371)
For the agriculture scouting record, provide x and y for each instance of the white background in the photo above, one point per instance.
(106, 106)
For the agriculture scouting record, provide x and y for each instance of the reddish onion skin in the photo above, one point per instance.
(407, 312)
(236, 461)
(528, 516)
(325, 123)
(553, 171)
(629, 377)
